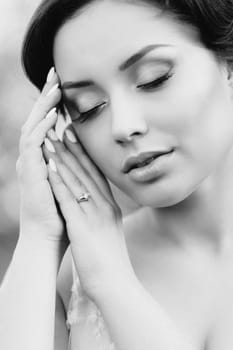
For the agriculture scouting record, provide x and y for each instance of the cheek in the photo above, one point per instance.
(95, 140)
(202, 121)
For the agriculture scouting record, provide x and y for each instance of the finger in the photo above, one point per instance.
(48, 99)
(31, 166)
(51, 133)
(78, 171)
(43, 128)
(75, 147)
(36, 138)
(66, 200)
(76, 187)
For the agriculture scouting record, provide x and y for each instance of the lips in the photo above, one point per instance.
(142, 159)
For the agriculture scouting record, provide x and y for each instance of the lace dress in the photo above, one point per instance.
(88, 330)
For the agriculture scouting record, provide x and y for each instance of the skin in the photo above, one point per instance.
(187, 212)
(180, 242)
(191, 112)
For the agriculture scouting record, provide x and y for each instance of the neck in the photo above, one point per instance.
(205, 217)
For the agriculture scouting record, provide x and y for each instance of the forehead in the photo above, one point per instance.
(108, 32)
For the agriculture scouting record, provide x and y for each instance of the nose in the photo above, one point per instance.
(128, 119)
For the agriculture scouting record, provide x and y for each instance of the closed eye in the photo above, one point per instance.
(90, 113)
(151, 86)
(155, 83)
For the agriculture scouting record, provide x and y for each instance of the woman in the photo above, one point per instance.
(148, 86)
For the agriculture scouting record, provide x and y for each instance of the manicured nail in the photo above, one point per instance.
(51, 113)
(49, 145)
(67, 116)
(71, 136)
(50, 74)
(52, 135)
(52, 165)
(54, 88)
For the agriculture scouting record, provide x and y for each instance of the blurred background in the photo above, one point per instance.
(17, 96)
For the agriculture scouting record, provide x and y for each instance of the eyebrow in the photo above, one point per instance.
(125, 65)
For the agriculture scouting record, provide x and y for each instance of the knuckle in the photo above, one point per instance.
(25, 143)
(41, 106)
(44, 103)
(40, 102)
(77, 183)
(30, 155)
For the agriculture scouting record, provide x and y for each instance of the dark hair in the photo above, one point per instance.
(213, 19)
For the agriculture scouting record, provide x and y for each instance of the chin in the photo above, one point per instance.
(167, 195)
(160, 202)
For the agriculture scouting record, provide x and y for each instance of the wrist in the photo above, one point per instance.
(43, 234)
(33, 243)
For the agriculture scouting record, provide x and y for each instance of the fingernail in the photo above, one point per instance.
(49, 145)
(54, 88)
(50, 74)
(52, 165)
(71, 136)
(51, 113)
(67, 116)
(52, 135)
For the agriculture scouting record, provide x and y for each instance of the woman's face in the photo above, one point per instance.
(172, 96)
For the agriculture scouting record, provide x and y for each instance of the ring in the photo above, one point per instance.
(84, 197)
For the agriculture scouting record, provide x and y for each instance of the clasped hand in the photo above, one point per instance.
(94, 227)
(49, 210)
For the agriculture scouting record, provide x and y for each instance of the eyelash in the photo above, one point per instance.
(151, 86)
(90, 113)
